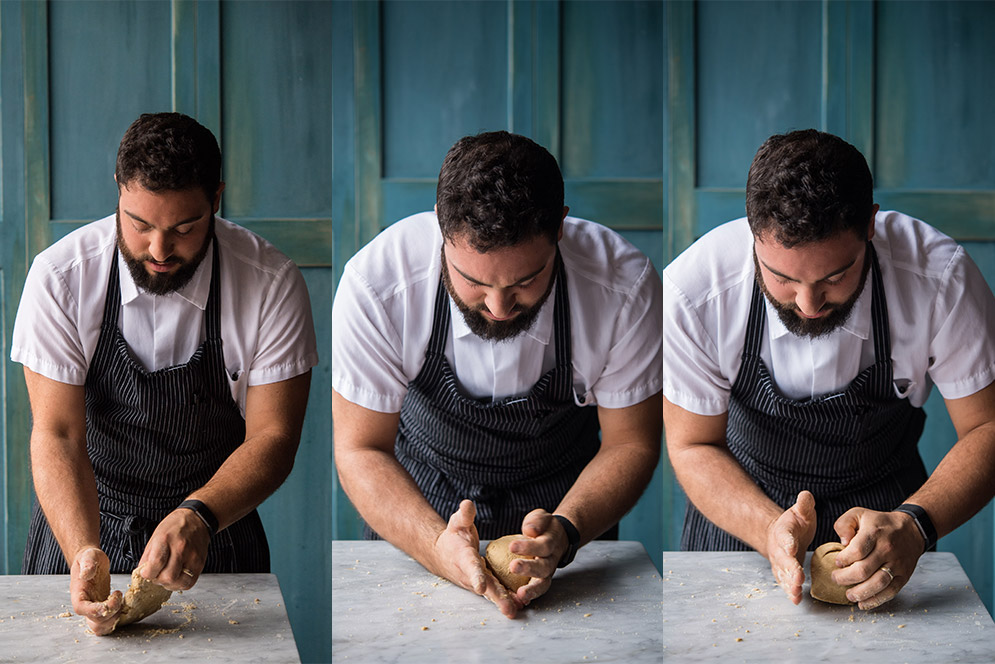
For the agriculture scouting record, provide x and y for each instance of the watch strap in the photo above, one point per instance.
(922, 521)
(573, 540)
(204, 512)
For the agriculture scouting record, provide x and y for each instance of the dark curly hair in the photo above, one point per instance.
(169, 152)
(807, 186)
(498, 190)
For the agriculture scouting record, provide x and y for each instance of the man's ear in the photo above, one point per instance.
(217, 197)
(870, 226)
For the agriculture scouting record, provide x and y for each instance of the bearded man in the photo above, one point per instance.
(476, 353)
(800, 344)
(167, 354)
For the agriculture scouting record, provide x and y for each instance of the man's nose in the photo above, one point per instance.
(810, 300)
(500, 303)
(160, 246)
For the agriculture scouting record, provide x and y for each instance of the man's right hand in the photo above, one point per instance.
(90, 590)
(457, 554)
(788, 537)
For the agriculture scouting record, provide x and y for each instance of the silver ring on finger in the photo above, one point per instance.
(886, 570)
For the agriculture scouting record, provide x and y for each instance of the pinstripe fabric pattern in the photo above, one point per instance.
(856, 448)
(153, 438)
(509, 456)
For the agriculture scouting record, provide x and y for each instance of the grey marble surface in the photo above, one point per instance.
(224, 618)
(604, 607)
(726, 607)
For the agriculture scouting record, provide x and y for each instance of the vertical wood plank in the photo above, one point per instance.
(36, 126)
(547, 114)
(14, 428)
(521, 62)
(344, 186)
(680, 222)
(196, 61)
(368, 141)
(848, 71)
(35, 163)
(860, 78)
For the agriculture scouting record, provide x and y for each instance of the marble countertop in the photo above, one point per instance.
(224, 618)
(726, 607)
(603, 607)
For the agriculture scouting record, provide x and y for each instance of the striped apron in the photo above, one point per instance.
(510, 456)
(154, 438)
(856, 448)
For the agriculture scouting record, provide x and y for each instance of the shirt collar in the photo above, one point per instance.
(196, 291)
(541, 330)
(858, 324)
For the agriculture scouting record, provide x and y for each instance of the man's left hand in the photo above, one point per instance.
(879, 555)
(546, 544)
(175, 554)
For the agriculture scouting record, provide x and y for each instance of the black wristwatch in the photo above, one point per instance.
(204, 512)
(922, 521)
(573, 540)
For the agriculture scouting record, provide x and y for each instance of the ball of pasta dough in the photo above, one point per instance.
(822, 566)
(498, 559)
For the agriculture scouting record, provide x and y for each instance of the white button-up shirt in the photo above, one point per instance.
(382, 321)
(266, 323)
(940, 310)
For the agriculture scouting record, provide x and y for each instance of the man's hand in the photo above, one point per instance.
(175, 554)
(879, 555)
(457, 551)
(788, 537)
(546, 543)
(90, 591)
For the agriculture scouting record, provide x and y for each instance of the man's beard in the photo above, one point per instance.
(497, 330)
(168, 282)
(814, 327)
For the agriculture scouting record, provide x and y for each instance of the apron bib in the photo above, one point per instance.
(510, 456)
(855, 448)
(153, 438)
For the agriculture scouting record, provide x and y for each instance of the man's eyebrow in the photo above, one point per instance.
(828, 276)
(480, 283)
(179, 223)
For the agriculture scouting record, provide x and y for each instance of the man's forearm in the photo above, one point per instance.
(724, 493)
(607, 488)
(67, 492)
(962, 483)
(247, 477)
(274, 416)
(390, 502)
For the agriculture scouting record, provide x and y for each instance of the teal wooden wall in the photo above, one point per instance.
(259, 74)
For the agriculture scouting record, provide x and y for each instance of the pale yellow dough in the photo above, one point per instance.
(823, 564)
(142, 599)
(498, 559)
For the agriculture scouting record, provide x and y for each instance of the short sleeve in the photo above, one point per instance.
(287, 345)
(46, 337)
(692, 378)
(962, 348)
(367, 350)
(632, 371)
